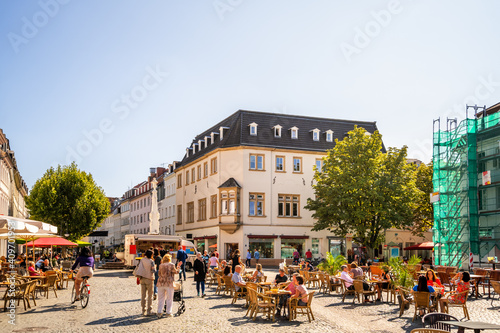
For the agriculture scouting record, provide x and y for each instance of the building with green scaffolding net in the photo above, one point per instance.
(466, 176)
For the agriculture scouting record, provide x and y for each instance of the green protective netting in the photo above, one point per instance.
(456, 216)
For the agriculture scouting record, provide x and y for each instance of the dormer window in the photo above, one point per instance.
(253, 129)
(295, 132)
(329, 136)
(277, 131)
(221, 132)
(316, 134)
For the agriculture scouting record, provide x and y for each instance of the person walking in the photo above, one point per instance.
(166, 277)
(146, 273)
(256, 255)
(157, 260)
(182, 256)
(296, 257)
(200, 272)
(236, 260)
(309, 255)
(249, 258)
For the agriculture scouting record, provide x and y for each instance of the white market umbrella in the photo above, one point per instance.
(33, 230)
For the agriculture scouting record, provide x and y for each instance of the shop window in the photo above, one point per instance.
(265, 246)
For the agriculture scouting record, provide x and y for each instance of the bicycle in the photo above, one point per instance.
(84, 292)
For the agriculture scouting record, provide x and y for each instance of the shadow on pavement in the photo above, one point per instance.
(127, 301)
(131, 320)
(121, 274)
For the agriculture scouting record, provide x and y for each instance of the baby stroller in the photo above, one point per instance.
(178, 297)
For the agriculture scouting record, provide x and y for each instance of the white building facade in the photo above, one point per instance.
(243, 184)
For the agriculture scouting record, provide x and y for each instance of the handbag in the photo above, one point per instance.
(134, 273)
(138, 280)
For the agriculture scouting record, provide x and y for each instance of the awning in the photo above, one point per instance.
(82, 243)
(205, 237)
(294, 237)
(421, 246)
(98, 234)
(262, 236)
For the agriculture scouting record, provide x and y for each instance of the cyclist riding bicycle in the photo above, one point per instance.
(86, 263)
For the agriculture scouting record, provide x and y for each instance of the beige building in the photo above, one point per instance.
(244, 182)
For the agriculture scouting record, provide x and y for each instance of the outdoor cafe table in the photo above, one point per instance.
(477, 279)
(265, 285)
(471, 325)
(277, 294)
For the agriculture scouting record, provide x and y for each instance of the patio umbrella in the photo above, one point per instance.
(53, 241)
(212, 246)
(82, 243)
(16, 227)
(43, 230)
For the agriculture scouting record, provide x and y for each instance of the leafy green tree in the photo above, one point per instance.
(424, 211)
(69, 199)
(363, 191)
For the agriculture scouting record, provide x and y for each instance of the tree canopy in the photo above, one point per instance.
(69, 199)
(363, 191)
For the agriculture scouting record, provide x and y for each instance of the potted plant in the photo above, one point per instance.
(332, 264)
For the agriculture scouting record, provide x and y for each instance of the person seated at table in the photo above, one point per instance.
(300, 291)
(213, 261)
(227, 271)
(31, 269)
(355, 270)
(258, 275)
(39, 263)
(115, 259)
(280, 277)
(432, 279)
(461, 280)
(222, 265)
(349, 281)
(422, 286)
(238, 280)
(283, 301)
(308, 266)
(46, 266)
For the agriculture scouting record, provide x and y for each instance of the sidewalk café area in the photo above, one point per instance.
(445, 307)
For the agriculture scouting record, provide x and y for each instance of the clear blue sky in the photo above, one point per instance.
(70, 69)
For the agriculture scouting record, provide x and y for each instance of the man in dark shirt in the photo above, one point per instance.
(46, 266)
(182, 256)
(281, 277)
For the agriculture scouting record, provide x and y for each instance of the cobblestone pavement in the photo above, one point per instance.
(115, 307)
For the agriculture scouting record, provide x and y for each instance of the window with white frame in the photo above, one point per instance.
(253, 129)
(316, 134)
(277, 131)
(294, 132)
(329, 136)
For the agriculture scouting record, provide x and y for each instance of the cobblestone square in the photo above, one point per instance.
(115, 307)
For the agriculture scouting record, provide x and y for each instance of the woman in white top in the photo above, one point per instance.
(257, 275)
(213, 262)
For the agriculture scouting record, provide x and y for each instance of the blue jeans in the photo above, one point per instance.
(182, 271)
(202, 284)
(156, 281)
